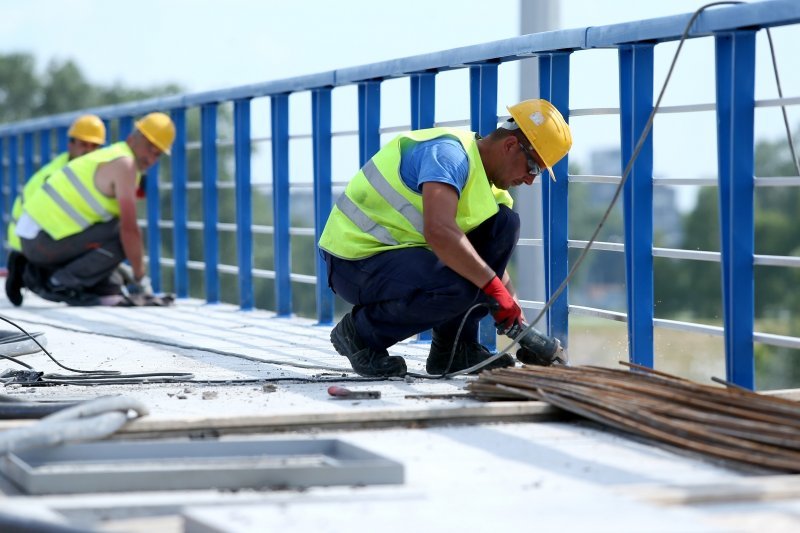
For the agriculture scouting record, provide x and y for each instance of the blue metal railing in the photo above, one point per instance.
(733, 29)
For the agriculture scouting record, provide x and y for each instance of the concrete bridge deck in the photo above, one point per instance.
(468, 466)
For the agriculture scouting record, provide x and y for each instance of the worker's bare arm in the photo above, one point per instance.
(118, 179)
(448, 242)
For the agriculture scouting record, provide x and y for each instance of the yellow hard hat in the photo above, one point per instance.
(88, 128)
(545, 128)
(158, 129)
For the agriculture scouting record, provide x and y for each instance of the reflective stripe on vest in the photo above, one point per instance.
(364, 223)
(64, 205)
(99, 210)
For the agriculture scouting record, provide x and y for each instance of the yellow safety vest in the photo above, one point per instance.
(379, 212)
(31, 185)
(69, 201)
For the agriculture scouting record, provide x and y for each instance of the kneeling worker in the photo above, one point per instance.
(78, 227)
(85, 135)
(425, 230)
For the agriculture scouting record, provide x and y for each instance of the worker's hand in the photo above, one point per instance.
(142, 286)
(507, 312)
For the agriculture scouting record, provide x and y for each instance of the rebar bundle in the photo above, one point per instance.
(730, 424)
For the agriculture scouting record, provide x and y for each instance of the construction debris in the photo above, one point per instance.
(729, 424)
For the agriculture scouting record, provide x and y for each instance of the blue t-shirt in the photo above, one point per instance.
(442, 159)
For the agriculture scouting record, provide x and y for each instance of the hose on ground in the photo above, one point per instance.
(92, 420)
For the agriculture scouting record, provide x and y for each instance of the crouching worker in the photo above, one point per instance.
(425, 230)
(81, 224)
(85, 135)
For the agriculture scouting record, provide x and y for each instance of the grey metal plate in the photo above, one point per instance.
(184, 465)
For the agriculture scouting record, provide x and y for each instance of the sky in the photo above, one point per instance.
(205, 45)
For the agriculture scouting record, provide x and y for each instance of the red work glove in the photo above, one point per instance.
(509, 312)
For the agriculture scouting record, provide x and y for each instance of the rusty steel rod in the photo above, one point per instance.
(731, 424)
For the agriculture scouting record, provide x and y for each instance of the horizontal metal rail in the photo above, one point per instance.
(783, 341)
(675, 253)
(232, 269)
(229, 227)
(772, 181)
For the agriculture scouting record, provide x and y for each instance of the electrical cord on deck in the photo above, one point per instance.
(193, 347)
(232, 381)
(446, 372)
(31, 337)
(96, 375)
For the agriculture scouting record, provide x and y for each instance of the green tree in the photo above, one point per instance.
(20, 87)
(693, 288)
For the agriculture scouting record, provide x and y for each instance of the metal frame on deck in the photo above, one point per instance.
(733, 28)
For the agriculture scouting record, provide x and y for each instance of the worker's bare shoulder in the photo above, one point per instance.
(115, 176)
(123, 166)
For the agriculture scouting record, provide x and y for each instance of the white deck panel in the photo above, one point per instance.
(569, 475)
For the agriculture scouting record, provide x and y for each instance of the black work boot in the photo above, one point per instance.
(366, 361)
(468, 353)
(14, 283)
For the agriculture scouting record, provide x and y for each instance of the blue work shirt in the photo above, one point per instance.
(443, 160)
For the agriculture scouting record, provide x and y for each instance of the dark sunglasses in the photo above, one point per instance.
(533, 166)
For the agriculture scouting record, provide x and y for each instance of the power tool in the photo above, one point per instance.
(536, 348)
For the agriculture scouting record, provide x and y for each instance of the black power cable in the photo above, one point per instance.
(95, 375)
(31, 337)
(94, 378)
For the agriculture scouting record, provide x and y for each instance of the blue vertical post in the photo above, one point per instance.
(153, 229)
(369, 119)
(44, 147)
(244, 202)
(5, 211)
(483, 120)
(636, 104)
(13, 169)
(280, 204)
(179, 204)
(107, 123)
(27, 156)
(62, 139)
(125, 126)
(483, 98)
(554, 86)
(208, 118)
(321, 136)
(423, 100)
(423, 113)
(735, 63)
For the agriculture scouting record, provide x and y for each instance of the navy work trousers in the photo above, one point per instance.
(399, 293)
(79, 261)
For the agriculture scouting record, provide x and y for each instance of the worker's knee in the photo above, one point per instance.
(506, 228)
(496, 237)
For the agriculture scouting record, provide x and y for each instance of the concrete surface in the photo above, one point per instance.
(566, 474)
